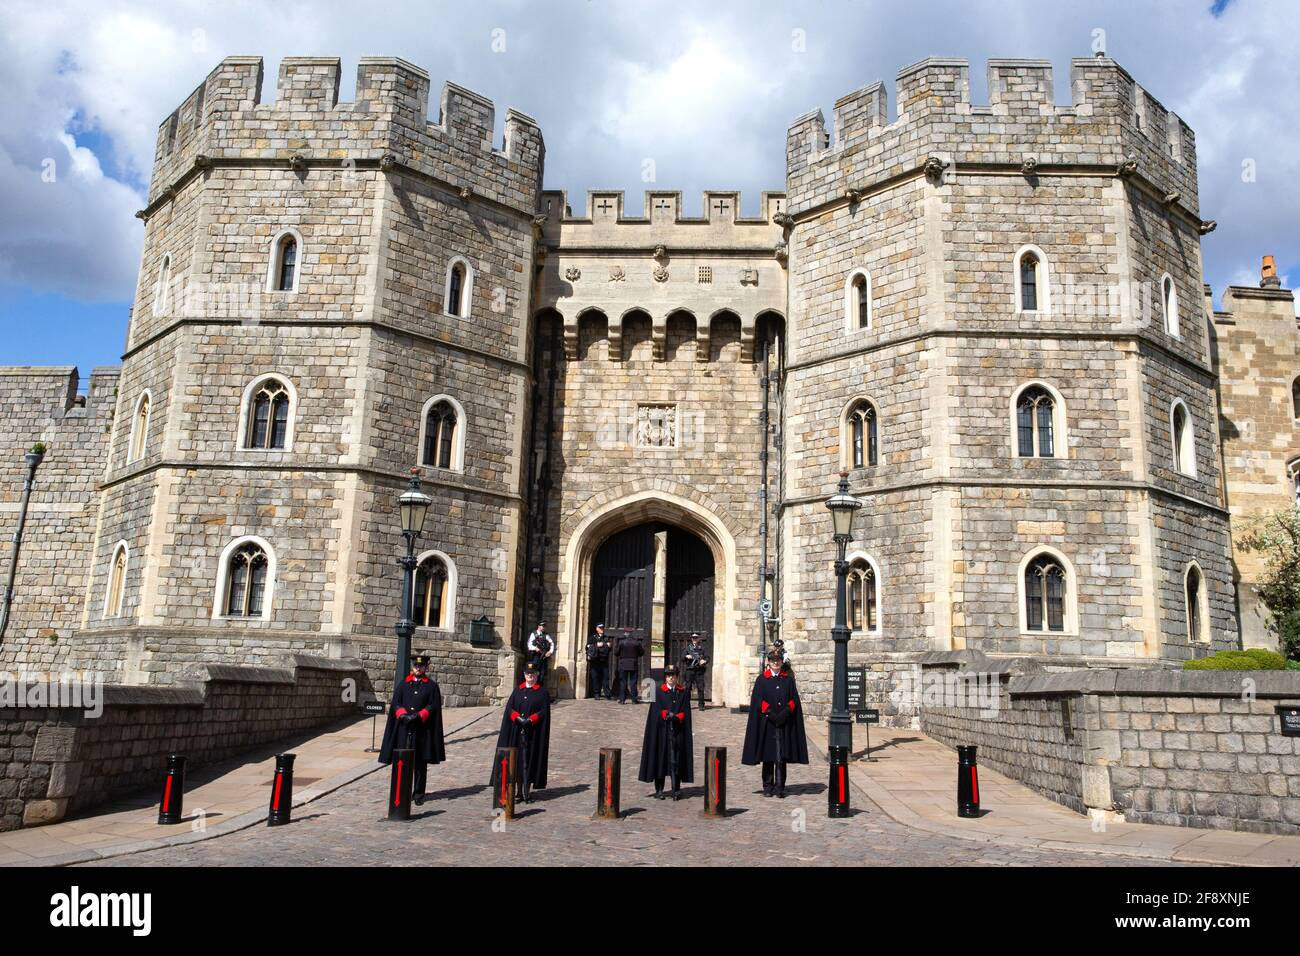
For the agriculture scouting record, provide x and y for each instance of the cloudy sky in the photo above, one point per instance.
(705, 90)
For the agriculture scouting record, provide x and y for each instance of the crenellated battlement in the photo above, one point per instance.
(225, 120)
(609, 219)
(1110, 122)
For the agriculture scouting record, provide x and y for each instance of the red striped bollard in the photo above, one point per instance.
(968, 783)
(838, 797)
(505, 775)
(281, 791)
(399, 785)
(172, 804)
(608, 783)
(715, 781)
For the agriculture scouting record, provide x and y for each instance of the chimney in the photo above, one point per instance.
(1268, 275)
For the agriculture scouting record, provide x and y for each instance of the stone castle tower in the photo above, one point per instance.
(992, 317)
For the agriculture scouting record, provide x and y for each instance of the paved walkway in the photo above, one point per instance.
(456, 826)
(219, 799)
(903, 802)
(914, 779)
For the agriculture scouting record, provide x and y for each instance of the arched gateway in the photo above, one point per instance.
(662, 566)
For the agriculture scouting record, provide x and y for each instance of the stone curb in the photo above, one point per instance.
(241, 821)
(899, 812)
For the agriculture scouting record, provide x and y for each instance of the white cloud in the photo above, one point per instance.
(705, 92)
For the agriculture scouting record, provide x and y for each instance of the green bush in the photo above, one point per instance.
(1255, 659)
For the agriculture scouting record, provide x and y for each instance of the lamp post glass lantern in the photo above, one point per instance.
(843, 508)
(413, 507)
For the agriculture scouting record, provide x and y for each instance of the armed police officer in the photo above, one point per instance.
(540, 650)
(694, 663)
(599, 648)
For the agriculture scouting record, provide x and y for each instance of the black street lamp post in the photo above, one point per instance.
(414, 507)
(843, 507)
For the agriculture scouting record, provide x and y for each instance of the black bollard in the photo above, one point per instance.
(507, 770)
(173, 796)
(968, 784)
(608, 781)
(715, 781)
(399, 785)
(837, 798)
(281, 791)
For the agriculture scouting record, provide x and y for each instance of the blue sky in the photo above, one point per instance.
(705, 91)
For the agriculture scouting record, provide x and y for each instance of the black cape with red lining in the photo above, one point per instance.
(527, 702)
(661, 734)
(775, 731)
(415, 695)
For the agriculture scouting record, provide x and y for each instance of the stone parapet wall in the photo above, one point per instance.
(62, 761)
(1184, 748)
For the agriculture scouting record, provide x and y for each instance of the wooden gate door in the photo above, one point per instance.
(689, 598)
(622, 588)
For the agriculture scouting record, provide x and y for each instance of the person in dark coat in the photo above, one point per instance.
(666, 748)
(695, 663)
(526, 724)
(540, 650)
(629, 667)
(415, 723)
(599, 648)
(775, 735)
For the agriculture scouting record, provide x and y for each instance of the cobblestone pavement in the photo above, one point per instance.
(456, 827)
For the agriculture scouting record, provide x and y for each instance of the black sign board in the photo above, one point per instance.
(867, 716)
(857, 688)
(1290, 717)
(372, 707)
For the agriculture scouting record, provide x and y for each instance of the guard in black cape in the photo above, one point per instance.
(667, 750)
(775, 735)
(415, 723)
(526, 724)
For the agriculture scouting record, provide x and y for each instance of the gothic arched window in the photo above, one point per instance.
(268, 415)
(1045, 594)
(1031, 281)
(285, 269)
(864, 593)
(246, 578)
(857, 301)
(1195, 597)
(863, 435)
(1184, 439)
(460, 288)
(440, 424)
(140, 429)
(1035, 413)
(1169, 303)
(116, 583)
(432, 597)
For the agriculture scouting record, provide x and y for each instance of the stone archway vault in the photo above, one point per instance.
(579, 549)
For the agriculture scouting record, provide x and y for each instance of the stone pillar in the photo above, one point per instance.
(658, 615)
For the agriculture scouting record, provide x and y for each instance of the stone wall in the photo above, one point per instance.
(1184, 748)
(60, 761)
(42, 405)
(1256, 344)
